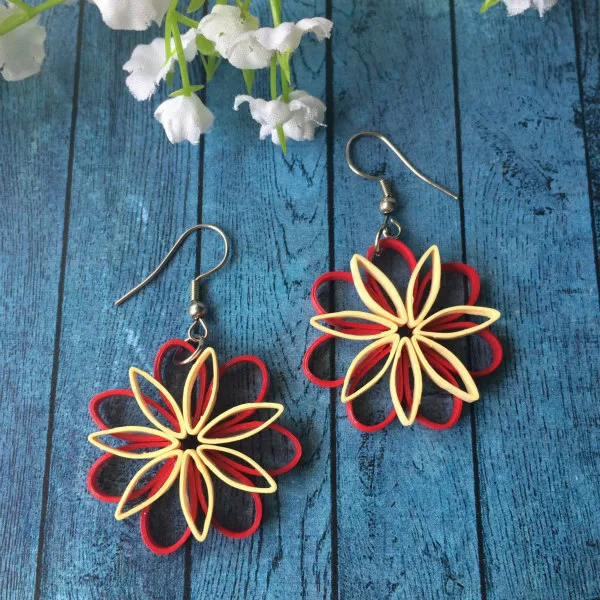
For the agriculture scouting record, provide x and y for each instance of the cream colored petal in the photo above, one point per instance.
(134, 373)
(119, 514)
(93, 438)
(417, 387)
(394, 341)
(190, 382)
(354, 314)
(381, 278)
(252, 406)
(272, 486)
(184, 494)
(434, 287)
(491, 315)
(471, 394)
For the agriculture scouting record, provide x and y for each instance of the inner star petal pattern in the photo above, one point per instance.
(160, 446)
(404, 334)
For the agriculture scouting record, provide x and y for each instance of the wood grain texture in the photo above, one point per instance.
(527, 220)
(511, 493)
(133, 194)
(275, 210)
(406, 508)
(35, 127)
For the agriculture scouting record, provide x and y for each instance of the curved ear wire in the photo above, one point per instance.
(171, 253)
(387, 205)
(383, 182)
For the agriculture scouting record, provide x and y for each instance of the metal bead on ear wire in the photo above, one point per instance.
(404, 332)
(186, 441)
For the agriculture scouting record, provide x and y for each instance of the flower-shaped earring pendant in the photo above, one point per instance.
(403, 333)
(406, 336)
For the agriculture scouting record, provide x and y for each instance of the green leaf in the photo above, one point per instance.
(282, 139)
(487, 5)
(249, 79)
(193, 89)
(195, 5)
(170, 77)
(205, 46)
(284, 64)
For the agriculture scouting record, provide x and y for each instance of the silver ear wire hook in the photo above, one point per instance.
(387, 204)
(197, 309)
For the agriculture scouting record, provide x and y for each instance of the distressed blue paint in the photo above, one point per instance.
(406, 508)
(275, 210)
(35, 125)
(127, 207)
(527, 219)
(405, 501)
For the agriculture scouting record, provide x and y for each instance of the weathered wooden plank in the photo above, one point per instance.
(133, 194)
(406, 507)
(528, 225)
(275, 210)
(35, 121)
(586, 21)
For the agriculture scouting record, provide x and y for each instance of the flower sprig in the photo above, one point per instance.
(516, 7)
(229, 32)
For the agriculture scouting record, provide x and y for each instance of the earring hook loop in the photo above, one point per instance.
(171, 253)
(382, 181)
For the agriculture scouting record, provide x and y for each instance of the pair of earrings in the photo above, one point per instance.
(186, 445)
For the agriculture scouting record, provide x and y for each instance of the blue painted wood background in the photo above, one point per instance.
(505, 111)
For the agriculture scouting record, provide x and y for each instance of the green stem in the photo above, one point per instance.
(274, 78)
(28, 13)
(276, 12)
(171, 21)
(285, 89)
(187, 21)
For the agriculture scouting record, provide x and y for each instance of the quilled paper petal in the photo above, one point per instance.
(360, 262)
(321, 322)
(208, 355)
(203, 436)
(184, 491)
(470, 394)
(120, 514)
(393, 341)
(436, 270)
(396, 374)
(144, 433)
(204, 452)
(427, 327)
(134, 373)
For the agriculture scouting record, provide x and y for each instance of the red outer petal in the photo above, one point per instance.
(343, 324)
(145, 516)
(454, 267)
(232, 472)
(97, 400)
(306, 364)
(92, 478)
(362, 370)
(232, 430)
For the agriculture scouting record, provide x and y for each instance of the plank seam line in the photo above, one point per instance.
(59, 308)
(588, 165)
(329, 97)
(463, 235)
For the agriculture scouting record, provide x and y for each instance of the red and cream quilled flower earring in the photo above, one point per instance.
(186, 441)
(404, 335)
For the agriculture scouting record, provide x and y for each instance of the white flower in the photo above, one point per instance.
(184, 118)
(132, 14)
(239, 40)
(287, 36)
(299, 118)
(22, 49)
(516, 7)
(148, 64)
(224, 26)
